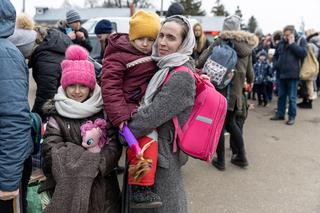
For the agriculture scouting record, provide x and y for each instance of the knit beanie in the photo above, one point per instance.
(231, 23)
(175, 9)
(76, 69)
(72, 16)
(144, 24)
(104, 26)
(262, 52)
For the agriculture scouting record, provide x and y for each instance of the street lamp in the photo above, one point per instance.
(23, 5)
(161, 10)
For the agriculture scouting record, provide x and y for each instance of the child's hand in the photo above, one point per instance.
(122, 124)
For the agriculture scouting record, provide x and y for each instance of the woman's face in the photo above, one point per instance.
(170, 38)
(78, 92)
(197, 31)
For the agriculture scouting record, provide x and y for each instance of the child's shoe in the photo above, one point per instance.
(143, 198)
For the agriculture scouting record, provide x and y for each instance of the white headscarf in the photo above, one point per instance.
(172, 60)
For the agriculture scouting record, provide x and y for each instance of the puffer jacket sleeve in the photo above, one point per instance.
(175, 96)
(15, 135)
(115, 105)
(46, 72)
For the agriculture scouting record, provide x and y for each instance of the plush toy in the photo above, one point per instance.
(93, 135)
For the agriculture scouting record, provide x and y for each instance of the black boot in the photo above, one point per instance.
(240, 160)
(306, 105)
(142, 197)
(218, 161)
(219, 164)
(303, 104)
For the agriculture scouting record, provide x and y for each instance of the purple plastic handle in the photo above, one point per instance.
(131, 140)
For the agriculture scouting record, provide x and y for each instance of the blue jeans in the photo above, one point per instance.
(287, 87)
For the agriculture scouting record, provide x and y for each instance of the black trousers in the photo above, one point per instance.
(262, 93)
(7, 206)
(234, 126)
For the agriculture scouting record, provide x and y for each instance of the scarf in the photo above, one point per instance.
(166, 63)
(69, 108)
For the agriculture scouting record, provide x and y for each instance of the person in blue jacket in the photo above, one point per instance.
(15, 135)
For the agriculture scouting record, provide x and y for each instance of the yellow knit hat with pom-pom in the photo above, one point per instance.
(144, 24)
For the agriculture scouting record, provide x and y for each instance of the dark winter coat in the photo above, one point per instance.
(176, 98)
(288, 58)
(15, 135)
(105, 191)
(122, 87)
(244, 43)
(84, 43)
(196, 54)
(262, 72)
(46, 69)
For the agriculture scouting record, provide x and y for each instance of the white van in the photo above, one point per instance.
(119, 25)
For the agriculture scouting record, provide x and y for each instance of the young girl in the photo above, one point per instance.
(127, 70)
(81, 181)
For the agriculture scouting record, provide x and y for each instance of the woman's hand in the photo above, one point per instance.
(8, 195)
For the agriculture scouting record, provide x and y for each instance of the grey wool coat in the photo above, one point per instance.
(176, 98)
(244, 43)
(80, 181)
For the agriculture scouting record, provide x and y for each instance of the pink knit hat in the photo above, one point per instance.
(76, 69)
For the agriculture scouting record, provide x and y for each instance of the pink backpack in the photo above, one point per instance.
(199, 136)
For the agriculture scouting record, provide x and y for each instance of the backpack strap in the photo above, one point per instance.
(177, 129)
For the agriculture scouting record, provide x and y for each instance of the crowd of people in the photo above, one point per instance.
(133, 91)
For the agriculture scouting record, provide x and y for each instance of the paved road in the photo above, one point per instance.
(283, 175)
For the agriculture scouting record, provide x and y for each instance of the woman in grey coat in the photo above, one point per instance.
(161, 103)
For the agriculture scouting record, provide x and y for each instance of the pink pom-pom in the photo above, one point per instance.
(76, 52)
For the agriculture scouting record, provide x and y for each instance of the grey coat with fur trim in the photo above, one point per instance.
(176, 98)
(244, 43)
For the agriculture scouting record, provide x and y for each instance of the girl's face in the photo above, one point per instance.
(143, 44)
(78, 92)
(170, 38)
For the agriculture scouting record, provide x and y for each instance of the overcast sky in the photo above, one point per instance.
(271, 14)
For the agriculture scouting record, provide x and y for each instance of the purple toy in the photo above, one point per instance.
(131, 140)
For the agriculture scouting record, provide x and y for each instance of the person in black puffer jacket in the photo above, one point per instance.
(45, 63)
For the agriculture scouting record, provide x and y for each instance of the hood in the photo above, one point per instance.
(55, 41)
(244, 42)
(119, 42)
(315, 39)
(7, 18)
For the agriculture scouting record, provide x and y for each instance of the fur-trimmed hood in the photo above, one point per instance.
(244, 42)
